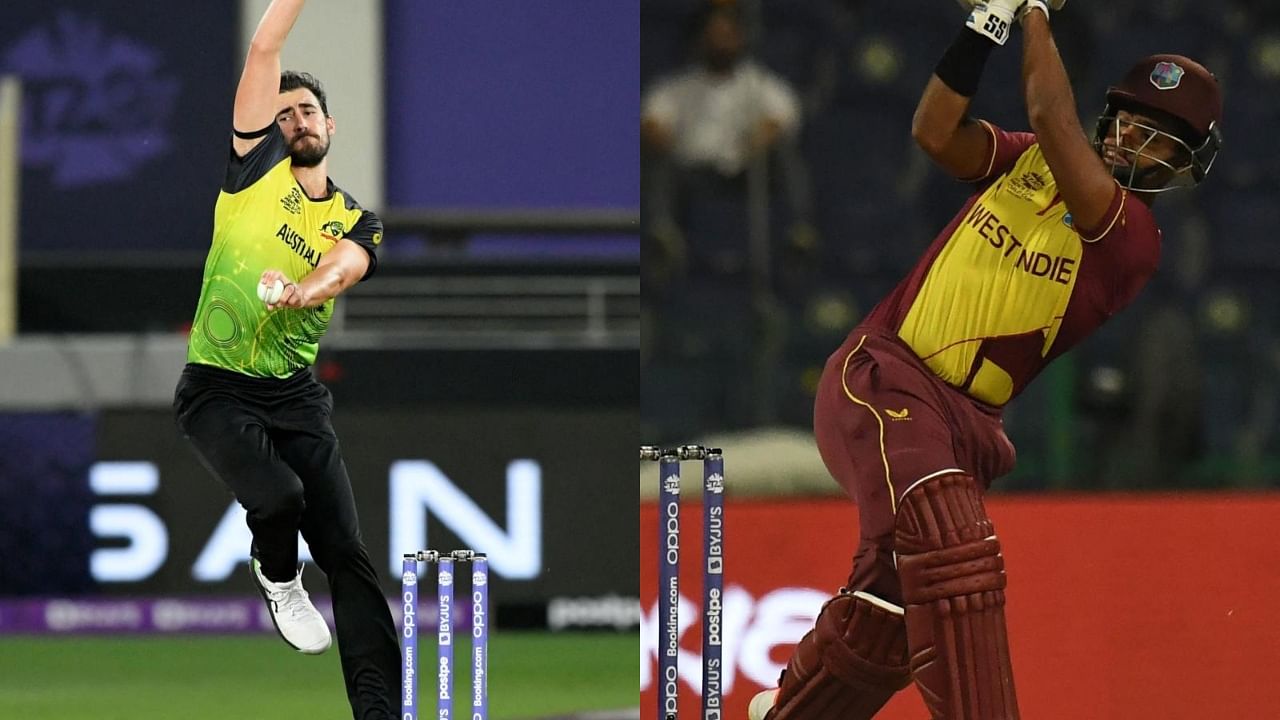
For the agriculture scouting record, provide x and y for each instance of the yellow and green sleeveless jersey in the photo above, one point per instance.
(263, 220)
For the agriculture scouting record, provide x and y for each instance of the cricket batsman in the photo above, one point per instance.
(1057, 236)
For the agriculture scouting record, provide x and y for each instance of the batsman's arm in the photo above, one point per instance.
(256, 96)
(942, 126)
(943, 129)
(1087, 188)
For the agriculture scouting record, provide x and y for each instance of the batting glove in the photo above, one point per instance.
(1023, 8)
(994, 18)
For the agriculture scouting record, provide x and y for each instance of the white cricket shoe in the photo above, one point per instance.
(761, 704)
(295, 618)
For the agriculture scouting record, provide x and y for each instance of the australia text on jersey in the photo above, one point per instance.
(299, 245)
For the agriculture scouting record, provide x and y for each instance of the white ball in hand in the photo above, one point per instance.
(269, 294)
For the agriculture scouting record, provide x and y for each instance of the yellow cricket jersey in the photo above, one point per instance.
(1012, 282)
(264, 220)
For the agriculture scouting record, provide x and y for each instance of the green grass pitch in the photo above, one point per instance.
(206, 678)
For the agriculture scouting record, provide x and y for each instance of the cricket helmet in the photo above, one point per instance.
(1177, 88)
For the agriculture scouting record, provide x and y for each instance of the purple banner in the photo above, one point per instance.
(45, 503)
(513, 104)
(106, 616)
(124, 120)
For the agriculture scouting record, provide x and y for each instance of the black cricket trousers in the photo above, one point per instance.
(272, 443)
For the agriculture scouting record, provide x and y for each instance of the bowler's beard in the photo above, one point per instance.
(308, 154)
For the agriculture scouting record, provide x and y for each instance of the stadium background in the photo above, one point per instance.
(485, 382)
(1138, 525)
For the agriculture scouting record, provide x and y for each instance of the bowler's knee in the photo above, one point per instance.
(283, 503)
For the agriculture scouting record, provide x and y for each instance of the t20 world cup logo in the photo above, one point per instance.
(671, 484)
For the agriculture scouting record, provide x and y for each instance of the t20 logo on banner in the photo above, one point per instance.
(98, 105)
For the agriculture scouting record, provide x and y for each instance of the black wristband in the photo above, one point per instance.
(961, 66)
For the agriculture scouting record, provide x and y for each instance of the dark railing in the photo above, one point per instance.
(436, 295)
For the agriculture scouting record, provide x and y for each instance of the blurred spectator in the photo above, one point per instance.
(703, 127)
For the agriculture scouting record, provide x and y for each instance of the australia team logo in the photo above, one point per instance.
(1166, 75)
(333, 230)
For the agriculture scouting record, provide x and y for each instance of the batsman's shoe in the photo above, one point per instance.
(761, 704)
(295, 618)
